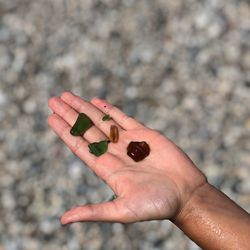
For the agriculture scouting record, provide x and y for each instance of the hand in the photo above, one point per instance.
(157, 187)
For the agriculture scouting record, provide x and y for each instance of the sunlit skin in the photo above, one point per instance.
(165, 185)
(155, 188)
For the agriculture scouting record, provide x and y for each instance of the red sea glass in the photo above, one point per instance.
(138, 150)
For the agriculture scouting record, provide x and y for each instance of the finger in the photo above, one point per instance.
(120, 117)
(77, 144)
(70, 116)
(104, 166)
(112, 211)
(93, 112)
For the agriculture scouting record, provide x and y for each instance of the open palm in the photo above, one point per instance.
(157, 187)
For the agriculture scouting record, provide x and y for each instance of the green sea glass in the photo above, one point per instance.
(106, 118)
(82, 124)
(98, 148)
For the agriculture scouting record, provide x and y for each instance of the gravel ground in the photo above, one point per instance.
(179, 66)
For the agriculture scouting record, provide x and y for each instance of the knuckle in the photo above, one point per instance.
(125, 119)
(79, 143)
(64, 132)
(69, 112)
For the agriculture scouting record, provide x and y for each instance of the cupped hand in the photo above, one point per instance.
(157, 187)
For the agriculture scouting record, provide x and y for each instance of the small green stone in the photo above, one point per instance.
(106, 118)
(82, 124)
(113, 197)
(98, 148)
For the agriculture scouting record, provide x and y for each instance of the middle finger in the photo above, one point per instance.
(89, 109)
(70, 116)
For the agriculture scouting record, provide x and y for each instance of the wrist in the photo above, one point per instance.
(213, 220)
(192, 203)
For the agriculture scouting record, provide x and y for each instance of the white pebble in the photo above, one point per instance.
(131, 92)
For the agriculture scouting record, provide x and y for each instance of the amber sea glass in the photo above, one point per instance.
(114, 134)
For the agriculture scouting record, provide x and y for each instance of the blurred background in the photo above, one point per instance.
(179, 66)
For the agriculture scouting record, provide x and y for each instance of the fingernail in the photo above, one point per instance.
(63, 222)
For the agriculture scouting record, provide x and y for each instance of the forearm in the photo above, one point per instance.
(214, 221)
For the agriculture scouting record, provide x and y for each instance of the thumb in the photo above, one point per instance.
(111, 211)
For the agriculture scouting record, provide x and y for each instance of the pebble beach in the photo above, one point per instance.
(181, 67)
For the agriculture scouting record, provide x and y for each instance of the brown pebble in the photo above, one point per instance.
(114, 134)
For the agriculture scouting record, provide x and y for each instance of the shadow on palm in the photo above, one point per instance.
(145, 185)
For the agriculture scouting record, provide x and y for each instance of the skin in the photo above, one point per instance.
(165, 185)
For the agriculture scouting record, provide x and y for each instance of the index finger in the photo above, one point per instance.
(125, 121)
